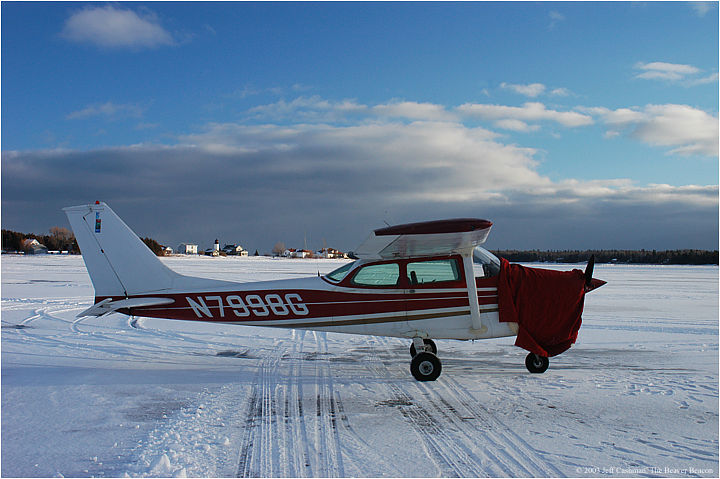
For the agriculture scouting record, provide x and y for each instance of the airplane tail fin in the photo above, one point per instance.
(118, 262)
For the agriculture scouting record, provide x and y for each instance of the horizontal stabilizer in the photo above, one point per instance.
(107, 306)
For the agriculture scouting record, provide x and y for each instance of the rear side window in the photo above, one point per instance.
(378, 275)
(435, 271)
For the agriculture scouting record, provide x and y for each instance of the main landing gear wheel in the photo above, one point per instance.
(536, 364)
(425, 366)
(428, 342)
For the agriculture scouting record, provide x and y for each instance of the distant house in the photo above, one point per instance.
(33, 246)
(234, 250)
(330, 253)
(167, 251)
(297, 253)
(187, 248)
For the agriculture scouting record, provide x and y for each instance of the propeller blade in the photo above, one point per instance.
(589, 271)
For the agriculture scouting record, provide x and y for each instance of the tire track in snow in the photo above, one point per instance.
(461, 435)
(296, 434)
(451, 458)
(328, 438)
(506, 445)
(257, 452)
(287, 431)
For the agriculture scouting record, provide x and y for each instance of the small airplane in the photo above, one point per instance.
(418, 281)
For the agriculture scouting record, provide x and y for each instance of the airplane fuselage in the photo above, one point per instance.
(438, 310)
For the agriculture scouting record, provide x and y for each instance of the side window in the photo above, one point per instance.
(436, 271)
(340, 273)
(489, 262)
(378, 275)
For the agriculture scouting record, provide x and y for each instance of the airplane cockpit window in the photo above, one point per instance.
(489, 262)
(386, 274)
(341, 272)
(434, 271)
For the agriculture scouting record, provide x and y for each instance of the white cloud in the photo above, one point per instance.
(532, 111)
(108, 110)
(313, 109)
(691, 131)
(531, 90)
(560, 92)
(339, 179)
(688, 130)
(515, 125)
(672, 72)
(111, 27)
(713, 78)
(414, 111)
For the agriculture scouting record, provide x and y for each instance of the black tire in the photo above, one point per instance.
(536, 364)
(425, 366)
(433, 347)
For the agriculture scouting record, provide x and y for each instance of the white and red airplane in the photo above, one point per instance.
(418, 281)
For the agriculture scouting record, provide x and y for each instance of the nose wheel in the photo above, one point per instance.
(536, 364)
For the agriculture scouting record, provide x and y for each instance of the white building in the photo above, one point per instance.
(234, 250)
(33, 246)
(330, 253)
(187, 248)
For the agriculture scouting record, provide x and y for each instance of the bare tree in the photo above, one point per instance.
(279, 248)
(63, 234)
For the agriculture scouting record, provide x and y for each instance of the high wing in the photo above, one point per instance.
(459, 235)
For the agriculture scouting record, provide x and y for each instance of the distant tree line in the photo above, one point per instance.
(59, 239)
(680, 256)
(62, 239)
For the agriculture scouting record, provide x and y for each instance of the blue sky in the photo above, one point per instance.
(570, 125)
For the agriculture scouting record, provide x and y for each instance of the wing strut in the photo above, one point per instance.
(477, 326)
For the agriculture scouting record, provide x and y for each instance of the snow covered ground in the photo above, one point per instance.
(636, 396)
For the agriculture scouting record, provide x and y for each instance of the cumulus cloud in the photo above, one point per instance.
(529, 112)
(111, 27)
(316, 109)
(338, 182)
(687, 130)
(664, 71)
(532, 90)
(414, 111)
(685, 75)
(337, 169)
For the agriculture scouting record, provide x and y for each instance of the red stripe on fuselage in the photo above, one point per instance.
(266, 305)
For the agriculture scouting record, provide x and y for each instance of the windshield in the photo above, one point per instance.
(490, 263)
(341, 272)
